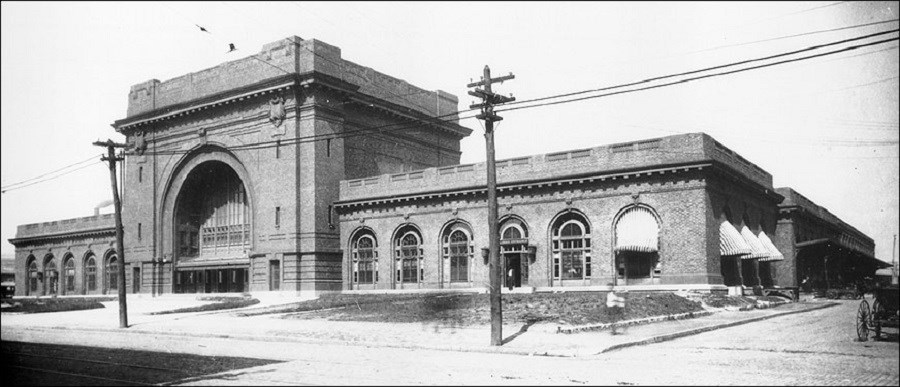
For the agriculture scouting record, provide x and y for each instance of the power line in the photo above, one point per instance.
(50, 178)
(51, 172)
(692, 79)
(456, 115)
(794, 36)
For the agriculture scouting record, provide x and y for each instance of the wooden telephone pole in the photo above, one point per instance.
(120, 250)
(489, 99)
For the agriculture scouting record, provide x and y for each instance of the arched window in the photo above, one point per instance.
(408, 254)
(511, 231)
(365, 259)
(112, 273)
(637, 246)
(458, 249)
(90, 274)
(51, 276)
(571, 239)
(33, 275)
(70, 274)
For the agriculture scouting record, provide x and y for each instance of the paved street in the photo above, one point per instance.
(815, 347)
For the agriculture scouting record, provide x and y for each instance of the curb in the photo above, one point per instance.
(689, 332)
(645, 320)
(287, 338)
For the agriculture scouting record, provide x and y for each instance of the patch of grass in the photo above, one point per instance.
(575, 308)
(50, 305)
(225, 303)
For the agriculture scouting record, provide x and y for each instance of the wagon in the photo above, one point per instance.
(884, 310)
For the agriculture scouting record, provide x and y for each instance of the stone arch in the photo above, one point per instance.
(362, 247)
(407, 245)
(33, 281)
(516, 221)
(89, 271)
(636, 263)
(570, 255)
(50, 269)
(209, 152)
(457, 251)
(68, 270)
(110, 272)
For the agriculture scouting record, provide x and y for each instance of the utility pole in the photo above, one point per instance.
(489, 99)
(120, 250)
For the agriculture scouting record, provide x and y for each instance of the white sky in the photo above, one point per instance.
(67, 69)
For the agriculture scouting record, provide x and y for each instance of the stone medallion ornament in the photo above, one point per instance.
(277, 114)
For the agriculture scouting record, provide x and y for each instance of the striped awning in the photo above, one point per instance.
(637, 230)
(730, 240)
(774, 254)
(757, 250)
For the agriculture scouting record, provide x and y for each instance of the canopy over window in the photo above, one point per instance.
(757, 250)
(730, 240)
(637, 230)
(774, 254)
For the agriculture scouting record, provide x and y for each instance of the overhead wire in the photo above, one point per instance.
(51, 172)
(5, 190)
(506, 107)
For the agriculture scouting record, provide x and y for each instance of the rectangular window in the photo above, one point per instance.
(278, 149)
(275, 275)
(139, 231)
(277, 217)
(140, 174)
(572, 267)
(329, 216)
(328, 148)
(459, 263)
(587, 267)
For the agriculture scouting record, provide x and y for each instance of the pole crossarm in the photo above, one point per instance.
(488, 100)
(120, 249)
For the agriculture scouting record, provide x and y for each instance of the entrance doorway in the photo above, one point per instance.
(211, 281)
(516, 271)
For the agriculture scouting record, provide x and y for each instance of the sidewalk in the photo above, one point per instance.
(537, 339)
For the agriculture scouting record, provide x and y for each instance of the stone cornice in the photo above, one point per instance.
(105, 231)
(519, 185)
(288, 81)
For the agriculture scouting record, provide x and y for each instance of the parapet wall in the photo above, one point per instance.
(276, 59)
(678, 149)
(66, 226)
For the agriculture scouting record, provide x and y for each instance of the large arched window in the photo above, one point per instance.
(571, 241)
(457, 248)
(90, 274)
(637, 246)
(51, 276)
(112, 272)
(33, 275)
(365, 258)
(408, 254)
(69, 274)
(212, 214)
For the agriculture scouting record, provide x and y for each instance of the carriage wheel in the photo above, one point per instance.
(877, 315)
(862, 321)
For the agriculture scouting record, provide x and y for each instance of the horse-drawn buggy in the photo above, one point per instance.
(884, 310)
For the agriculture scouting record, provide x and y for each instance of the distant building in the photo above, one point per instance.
(8, 277)
(297, 170)
(821, 250)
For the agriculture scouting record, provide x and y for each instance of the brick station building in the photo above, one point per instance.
(659, 214)
(297, 170)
